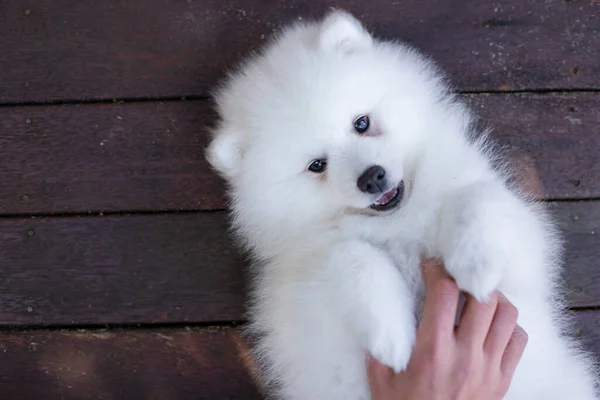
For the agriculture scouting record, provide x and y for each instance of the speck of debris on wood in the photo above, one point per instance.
(575, 217)
(31, 233)
(28, 121)
(27, 12)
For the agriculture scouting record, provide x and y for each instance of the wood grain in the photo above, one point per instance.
(109, 270)
(94, 158)
(178, 268)
(558, 135)
(580, 224)
(162, 364)
(586, 326)
(150, 156)
(169, 48)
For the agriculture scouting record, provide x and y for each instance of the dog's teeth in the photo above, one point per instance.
(386, 197)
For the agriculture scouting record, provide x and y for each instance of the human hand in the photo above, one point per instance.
(474, 361)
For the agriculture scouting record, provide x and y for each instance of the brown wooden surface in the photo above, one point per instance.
(164, 364)
(117, 157)
(139, 269)
(559, 133)
(134, 165)
(177, 268)
(580, 223)
(587, 327)
(64, 49)
(150, 156)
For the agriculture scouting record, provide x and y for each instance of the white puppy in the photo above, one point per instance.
(349, 161)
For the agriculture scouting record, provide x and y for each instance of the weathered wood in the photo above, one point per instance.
(142, 269)
(177, 268)
(587, 326)
(150, 156)
(155, 48)
(162, 364)
(165, 364)
(558, 134)
(121, 157)
(580, 224)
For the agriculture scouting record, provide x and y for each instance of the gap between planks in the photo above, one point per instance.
(168, 99)
(133, 213)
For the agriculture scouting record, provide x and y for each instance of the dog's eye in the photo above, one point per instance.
(318, 166)
(361, 124)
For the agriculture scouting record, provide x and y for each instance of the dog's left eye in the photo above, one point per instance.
(361, 124)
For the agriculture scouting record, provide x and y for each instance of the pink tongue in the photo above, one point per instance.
(386, 197)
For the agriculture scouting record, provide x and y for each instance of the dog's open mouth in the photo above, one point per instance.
(389, 199)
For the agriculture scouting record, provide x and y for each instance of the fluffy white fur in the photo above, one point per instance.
(335, 279)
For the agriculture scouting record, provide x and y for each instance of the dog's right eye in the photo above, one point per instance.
(318, 166)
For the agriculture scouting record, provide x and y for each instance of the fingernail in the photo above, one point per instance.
(431, 263)
(370, 360)
(502, 297)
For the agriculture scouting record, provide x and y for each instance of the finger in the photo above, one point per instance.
(514, 352)
(441, 300)
(475, 320)
(502, 328)
(379, 376)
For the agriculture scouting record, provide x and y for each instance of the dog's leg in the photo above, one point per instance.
(489, 237)
(374, 300)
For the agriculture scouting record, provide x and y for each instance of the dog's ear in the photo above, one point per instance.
(342, 32)
(224, 153)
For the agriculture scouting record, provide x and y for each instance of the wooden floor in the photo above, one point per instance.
(117, 276)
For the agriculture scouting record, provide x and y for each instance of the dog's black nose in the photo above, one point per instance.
(372, 180)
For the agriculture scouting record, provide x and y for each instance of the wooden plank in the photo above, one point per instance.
(150, 156)
(105, 270)
(155, 48)
(93, 158)
(177, 268)
(580, 224)
(163, 364)
(557, 134)
(587, 326)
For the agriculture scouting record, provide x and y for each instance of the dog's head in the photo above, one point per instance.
(326, 121)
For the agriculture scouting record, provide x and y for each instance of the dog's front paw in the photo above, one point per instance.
(375, 300)
(475, 269)
(477, 238)
(476, 254)
(393, 346)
